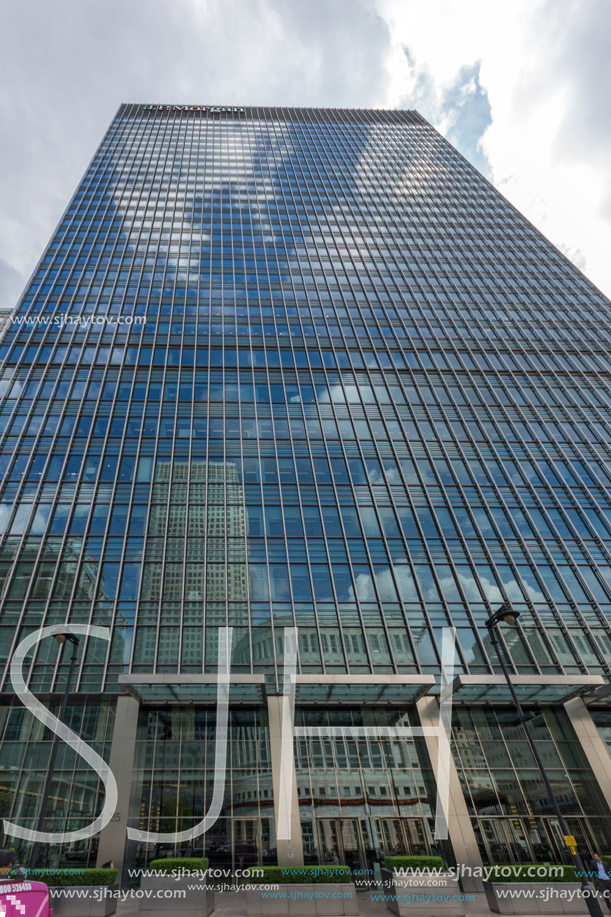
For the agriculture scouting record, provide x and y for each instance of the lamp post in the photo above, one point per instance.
(61, 639)
(506, 615)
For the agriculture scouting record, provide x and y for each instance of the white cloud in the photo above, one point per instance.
(66, 67)
(521, 86)
(545, 70)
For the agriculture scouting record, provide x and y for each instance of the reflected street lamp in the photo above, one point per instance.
(61, 639)
(507, 615)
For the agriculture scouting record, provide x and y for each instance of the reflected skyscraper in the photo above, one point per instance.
(306, 368)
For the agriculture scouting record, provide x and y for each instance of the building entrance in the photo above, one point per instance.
(529, 840)
(341, 840)
(361, 842)
(403, 836)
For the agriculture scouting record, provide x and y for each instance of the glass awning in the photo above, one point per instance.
(365, 689)
(171, 688)
(531, 689)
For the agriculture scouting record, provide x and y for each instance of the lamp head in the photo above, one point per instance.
(503, 615)
(61, 639)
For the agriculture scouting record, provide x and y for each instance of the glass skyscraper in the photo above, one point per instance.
(299, 368)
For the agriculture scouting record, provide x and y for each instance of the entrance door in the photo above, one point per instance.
(528, 840)
(340, 840)
(402, 837)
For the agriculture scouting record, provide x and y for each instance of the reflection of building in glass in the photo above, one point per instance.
(41, 576)
(353, 391)
(209, 518)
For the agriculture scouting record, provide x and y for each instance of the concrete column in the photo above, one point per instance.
(284, 780)
(460, 827)
(593, 745)
(122, 750)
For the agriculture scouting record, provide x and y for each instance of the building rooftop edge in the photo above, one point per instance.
(382, 115)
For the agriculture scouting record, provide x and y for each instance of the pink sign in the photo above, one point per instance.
(24, 899)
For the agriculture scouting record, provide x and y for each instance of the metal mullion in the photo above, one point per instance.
(206, 144)
(246, 146)
(404, 540)
(465, 507)
(81, 188)
(575, 505)
(256, 412)
(62, 415)
(194, 158)
(450, 506)
(77, 485)
(371, 563)
(430, 506)
(559, 381)
(298, 195)
(315, 484)
(134, 151)
(524, 547)
(348, 204)
(147, 533)
(30, 372)
(282, 233)
(570, 561)
(292, 448)
(503, 504)
(114, 484)
(318, 504)
(411, 505)
(169, 129)
(509, 559)
(143, 196)
(293, 454)
(178, 158)
(519, 410)
(313, 187)
(223, 210)
(346, 540)
(64, 539)
(491, 563)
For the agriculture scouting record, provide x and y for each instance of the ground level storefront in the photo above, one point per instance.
(359, 790)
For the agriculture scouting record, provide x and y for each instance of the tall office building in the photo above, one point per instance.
(297, 368)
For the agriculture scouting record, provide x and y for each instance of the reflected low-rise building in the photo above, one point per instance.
(300, 368)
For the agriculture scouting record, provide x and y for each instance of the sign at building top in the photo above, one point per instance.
(209, 109)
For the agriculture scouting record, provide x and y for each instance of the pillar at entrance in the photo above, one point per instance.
(460, 827)
(122, 750)
(284, 781)
(592, 743)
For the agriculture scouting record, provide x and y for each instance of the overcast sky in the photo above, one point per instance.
(522, 87)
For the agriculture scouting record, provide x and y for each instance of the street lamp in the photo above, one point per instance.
(61, 639)
(507, 615)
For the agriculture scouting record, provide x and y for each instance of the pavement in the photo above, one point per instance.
(233, 904)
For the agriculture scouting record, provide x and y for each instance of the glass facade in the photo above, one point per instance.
(294, 367)
(174, 777)
(513, 818)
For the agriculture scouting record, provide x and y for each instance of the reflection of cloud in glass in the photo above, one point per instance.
(234, 158)
(405, 582)
(513, 592)
(388, 475)
(5, 511)
(365, 588)
(401, 574)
